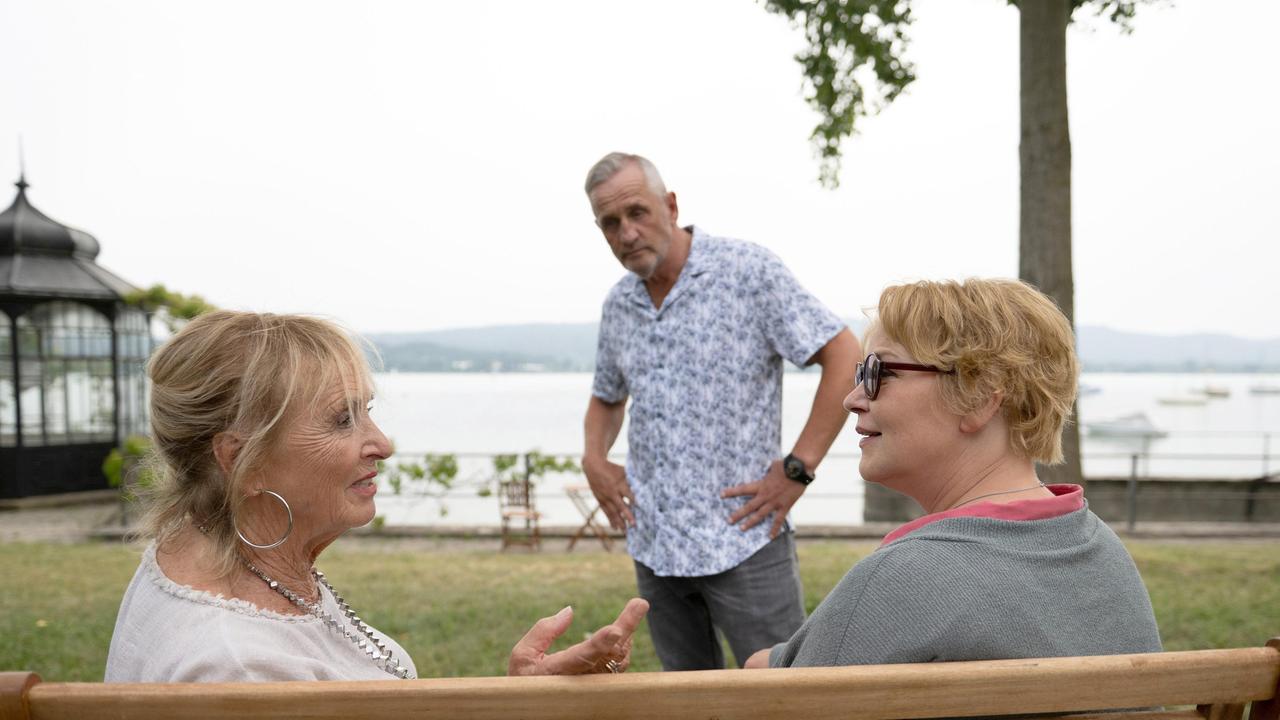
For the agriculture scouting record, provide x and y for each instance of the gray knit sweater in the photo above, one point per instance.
(976, 588)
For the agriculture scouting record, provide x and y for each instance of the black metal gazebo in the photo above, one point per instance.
(72, 357)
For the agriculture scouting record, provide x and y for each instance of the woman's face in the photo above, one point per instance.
(909, 437)
(326, 462)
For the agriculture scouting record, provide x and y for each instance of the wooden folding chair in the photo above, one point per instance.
(585, 502)
(515, 502)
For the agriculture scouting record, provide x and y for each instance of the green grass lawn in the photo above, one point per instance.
(459, 612)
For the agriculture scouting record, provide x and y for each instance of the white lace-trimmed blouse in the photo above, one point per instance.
(167, 632)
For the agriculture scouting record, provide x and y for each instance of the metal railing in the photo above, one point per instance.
(1253, 471)
(476, 477)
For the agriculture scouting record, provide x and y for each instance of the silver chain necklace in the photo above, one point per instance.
(1002, 492)
(369, 644)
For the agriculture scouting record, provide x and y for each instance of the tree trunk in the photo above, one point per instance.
(1045, 156)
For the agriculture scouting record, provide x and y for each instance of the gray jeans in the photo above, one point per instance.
(756, 605)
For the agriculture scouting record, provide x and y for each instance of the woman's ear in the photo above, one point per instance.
(226, 447)
(978, 419)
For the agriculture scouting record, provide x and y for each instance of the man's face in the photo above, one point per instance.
(637, 222)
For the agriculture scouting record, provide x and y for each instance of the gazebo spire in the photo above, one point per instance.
(22, 169)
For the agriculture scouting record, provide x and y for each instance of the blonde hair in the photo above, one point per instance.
(1000, 336)
(243, 373)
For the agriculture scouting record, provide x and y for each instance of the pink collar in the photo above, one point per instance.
(1066, 499)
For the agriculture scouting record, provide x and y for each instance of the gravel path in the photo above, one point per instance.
(68, 523)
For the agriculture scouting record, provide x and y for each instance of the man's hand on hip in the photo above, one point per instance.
(608, 483)
(773, 494)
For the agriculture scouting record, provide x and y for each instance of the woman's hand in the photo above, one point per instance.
(758, 660)
(607, 650)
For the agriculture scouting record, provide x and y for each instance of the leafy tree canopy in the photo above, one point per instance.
(855, 64)
(174, 308)
(1120, 12)
(848, 40)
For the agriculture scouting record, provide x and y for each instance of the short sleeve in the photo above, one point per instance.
(609, 384)
(794, 321)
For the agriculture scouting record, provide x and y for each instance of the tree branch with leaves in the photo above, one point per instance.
(856, 45)
(173, 308)
(853, 66)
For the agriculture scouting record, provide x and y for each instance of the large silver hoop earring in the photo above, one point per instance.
(287, 530)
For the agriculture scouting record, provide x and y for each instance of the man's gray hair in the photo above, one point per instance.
(614, 162)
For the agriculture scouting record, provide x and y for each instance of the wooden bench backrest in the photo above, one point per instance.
(1223, 682)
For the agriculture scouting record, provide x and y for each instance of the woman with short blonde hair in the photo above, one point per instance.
(967, 385)
(998, 336)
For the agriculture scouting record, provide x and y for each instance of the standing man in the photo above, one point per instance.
(696, 335)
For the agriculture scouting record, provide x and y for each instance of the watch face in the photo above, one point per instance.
(793, 468)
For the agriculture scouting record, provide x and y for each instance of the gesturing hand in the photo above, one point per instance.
(608, 483)
(773, 493)
(609, 644)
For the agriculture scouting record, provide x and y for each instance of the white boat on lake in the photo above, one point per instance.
(1137, 425)
(1183, 399)
(1215, 391)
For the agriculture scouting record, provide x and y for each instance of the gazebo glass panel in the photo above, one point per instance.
(30, 391)
(65, 375)
(8, 396)
(133, 342)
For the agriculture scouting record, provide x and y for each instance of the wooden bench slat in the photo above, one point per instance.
(1269, 709)
(14, 688)
(995, 687)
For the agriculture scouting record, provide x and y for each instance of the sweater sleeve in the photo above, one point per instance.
(883, 611)
(823, 639)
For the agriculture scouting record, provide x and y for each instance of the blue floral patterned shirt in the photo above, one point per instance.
(704, 372)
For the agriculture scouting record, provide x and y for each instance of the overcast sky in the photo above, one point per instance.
(419, 165)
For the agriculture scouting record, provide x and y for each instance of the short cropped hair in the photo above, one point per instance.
(613, 163)
(998, 336)
(238, 372)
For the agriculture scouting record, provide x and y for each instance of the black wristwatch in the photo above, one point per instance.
(793, 467)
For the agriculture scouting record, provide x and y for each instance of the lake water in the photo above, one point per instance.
(478, 415)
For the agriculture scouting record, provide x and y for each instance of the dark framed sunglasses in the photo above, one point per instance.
(872, 369)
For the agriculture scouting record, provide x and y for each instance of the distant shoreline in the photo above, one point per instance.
(571, 347)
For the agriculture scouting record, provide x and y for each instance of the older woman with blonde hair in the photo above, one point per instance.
(265, 454)
(967, 385)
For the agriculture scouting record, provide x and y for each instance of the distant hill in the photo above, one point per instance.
(572, 348)
(497, 348)
(1106, 349)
